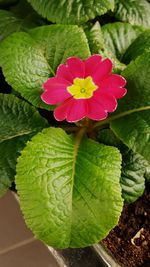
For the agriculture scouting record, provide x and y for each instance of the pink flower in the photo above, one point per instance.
(84, 88)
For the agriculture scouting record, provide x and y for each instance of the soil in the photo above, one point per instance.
(129, 241)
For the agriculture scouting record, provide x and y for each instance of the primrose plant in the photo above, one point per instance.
(74, 135)
(73, 172)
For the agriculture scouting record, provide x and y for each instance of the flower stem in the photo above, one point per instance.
(80, 135)
(120, 115)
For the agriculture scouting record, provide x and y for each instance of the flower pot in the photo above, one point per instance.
(95, 256)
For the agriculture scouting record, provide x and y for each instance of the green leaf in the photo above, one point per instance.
(134, 167)
(69, 188)
(132, 177)
(18, 118)
(24, 66)
(132, 122)
(71, 12)
(60, 42)
(134, 131)
(18, 123)
(137, 75)
(10, 23)
(107, 137)
(29, 60)
(136, 12)
(24, 10)
(138, 47)
(118, 36)
(95, 37)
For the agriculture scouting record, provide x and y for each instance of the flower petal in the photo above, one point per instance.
(116, 80)
(72, 110)
(106, 100)
(114, 85)
(55, 91)
(95, 110)
(60, 112)
(55, 82)
(119, 92)
(77, 110)
(76, 67)
(91, 64)
(63, 72)
(102, 71)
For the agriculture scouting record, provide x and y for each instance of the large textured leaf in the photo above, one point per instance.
(71, 12)
(60, 42)
(136, 12)
(132, 176)
(10, 23)
(134, 167)
(138, 47)
(18, 118)
(133, 127)
(137, 75)
(69, 190)
(134, 131)
(95, 37)
(18, 123)
(24, 66)
(118, 36)
(28, 60)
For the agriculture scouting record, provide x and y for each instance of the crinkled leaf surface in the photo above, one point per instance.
(95, 37)
(28, 60)
(10, 23)
(137, 75)
(24, 66)
(134, 131)
(60, 42)
(69, 190)
(132, 176)
(71, 12)
(18, 123)
(133, 126)
(138, 47)
(134, 167)
(118, 36)
(136, 12)
(18, 118)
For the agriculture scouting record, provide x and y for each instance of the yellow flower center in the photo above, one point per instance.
(82, 88)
